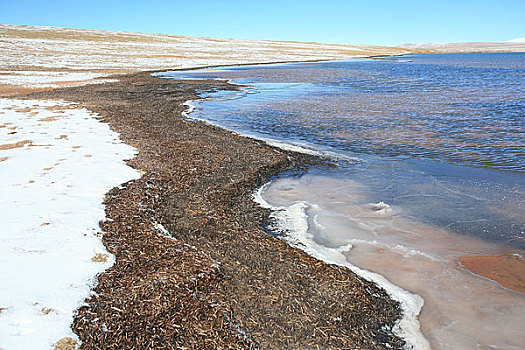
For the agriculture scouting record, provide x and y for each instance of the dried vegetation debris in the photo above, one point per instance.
(194, 268)
(158, 293)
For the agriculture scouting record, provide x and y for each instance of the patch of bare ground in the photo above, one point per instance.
(7, 90)
(13, 145)
(217, 279)
(66, 344)
(100, 257)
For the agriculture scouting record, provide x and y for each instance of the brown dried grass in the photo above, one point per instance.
(7, 90)
(48, 119)
(14, 145)
(66, 343)
(223, 282)
(100, 258)
(46, 311)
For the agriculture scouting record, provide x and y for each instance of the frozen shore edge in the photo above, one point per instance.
(408, 326)
(293, 221)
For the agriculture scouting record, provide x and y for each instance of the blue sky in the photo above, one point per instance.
(380, 22)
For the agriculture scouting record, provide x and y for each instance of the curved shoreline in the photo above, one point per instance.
(406, 327)
(218, 280)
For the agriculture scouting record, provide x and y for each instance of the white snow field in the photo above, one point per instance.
(56, 164)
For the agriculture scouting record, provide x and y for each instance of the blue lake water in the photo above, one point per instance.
(431, 167)
(453, 121)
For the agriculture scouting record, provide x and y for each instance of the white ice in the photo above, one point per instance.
(294, 220)
(330, 219)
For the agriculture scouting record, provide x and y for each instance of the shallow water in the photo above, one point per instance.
(459, 108)
(461, 311)
(431, 167)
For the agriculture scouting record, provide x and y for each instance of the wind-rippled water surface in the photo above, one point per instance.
(458, 108)
(431, 155)
(455, 122)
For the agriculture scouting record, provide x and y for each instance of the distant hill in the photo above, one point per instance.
(59, 48)
(517, 40)
(514, 45)
(47, 57)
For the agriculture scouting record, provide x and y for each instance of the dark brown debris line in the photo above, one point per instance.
(218, 281)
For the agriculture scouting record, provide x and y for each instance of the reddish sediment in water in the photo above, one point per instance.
(506, 270)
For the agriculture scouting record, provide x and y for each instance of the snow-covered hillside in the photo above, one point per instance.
(39, 57)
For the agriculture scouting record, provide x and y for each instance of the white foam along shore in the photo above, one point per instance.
(293, 220)
(56, 164)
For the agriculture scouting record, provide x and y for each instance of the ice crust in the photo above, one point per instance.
(295, 222)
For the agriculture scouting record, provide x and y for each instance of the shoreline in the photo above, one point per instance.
(408, 326)
(219, 279)
(307, 246)
(11, 90)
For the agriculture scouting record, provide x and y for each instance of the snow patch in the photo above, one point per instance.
(41, 79)
(516, 40)
(51, 194)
